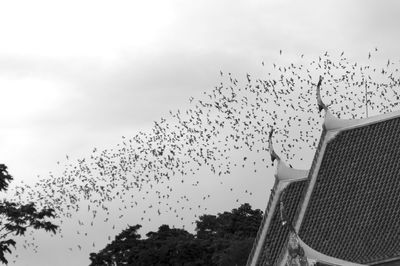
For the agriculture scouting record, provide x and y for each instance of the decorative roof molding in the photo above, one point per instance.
(285, 173)
(316, 256)
(388, 261)
(297, 250)
(332, 123)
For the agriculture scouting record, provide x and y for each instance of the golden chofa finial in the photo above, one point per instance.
(274, 156)
(321, 105)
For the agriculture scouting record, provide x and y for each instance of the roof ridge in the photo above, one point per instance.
(332, 123)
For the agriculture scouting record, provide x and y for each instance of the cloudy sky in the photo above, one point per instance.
(80, 74)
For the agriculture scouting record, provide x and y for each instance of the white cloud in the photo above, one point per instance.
(80, 28)
(25, 99)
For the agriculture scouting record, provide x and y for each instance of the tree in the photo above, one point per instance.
(231, 233)
(16, 218)
(223, 239)
(239, 223)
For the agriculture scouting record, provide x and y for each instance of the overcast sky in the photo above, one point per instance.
(80, 74)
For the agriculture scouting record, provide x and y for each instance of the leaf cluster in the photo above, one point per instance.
(16, 218)
(223, 239)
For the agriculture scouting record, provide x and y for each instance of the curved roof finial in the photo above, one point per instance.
(321, 105)
(274, 156)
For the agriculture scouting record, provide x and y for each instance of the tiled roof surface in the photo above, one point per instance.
(354, 210)
(277, 234)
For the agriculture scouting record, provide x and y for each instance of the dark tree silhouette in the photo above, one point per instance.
(17, 218)
(223, 239)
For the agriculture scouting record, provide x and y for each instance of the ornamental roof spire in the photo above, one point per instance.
(321, 105)
(273, 154)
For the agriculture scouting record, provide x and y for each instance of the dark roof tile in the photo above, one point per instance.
(354, 210)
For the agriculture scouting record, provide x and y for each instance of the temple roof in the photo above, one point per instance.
(353, 212)
(348, 207)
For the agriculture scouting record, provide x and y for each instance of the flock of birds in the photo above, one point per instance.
(233, 119)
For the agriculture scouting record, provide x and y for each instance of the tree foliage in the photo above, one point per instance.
(223, 239)
(16, 218)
